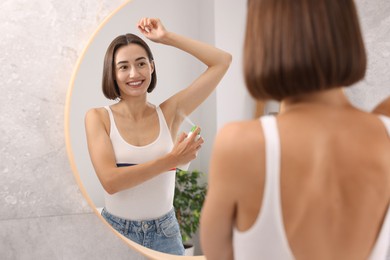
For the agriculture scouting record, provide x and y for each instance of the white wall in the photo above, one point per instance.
(233, 100)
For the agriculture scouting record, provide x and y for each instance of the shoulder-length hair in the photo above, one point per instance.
(295, 47)
(109, 85)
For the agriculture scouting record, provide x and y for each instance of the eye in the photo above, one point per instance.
(123, 67)
(141, 64)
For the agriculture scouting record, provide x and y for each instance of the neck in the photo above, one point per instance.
(328, 98)
(134, 108)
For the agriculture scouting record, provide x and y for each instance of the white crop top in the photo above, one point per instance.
(266, 239)
(150, 199)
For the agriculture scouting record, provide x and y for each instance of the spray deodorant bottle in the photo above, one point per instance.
(184, 167)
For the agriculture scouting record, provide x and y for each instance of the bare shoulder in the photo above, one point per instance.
(97, 117)
(96, 113)
(236, 166)
(237, 147)
(240, 134)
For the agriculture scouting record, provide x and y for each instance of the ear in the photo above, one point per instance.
(152, 66)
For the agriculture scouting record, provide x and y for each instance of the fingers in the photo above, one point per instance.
(193, 140)
(197, 130)
(142, 26)
(196, 139)
(181, 137)
(186, 149)
(195, 134)
(199, 143)
(146, 25)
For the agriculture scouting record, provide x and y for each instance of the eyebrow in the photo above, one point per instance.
(125, 61)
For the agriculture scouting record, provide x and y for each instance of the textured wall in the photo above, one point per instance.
(42, 212)
(375, 22)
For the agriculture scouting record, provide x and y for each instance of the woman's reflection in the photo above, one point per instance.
(131, 142)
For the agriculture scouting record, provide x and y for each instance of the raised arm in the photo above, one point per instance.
(113, 178)
(216, 60)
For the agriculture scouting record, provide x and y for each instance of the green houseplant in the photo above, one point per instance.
(189, 196)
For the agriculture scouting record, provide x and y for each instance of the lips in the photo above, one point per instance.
(135, 84)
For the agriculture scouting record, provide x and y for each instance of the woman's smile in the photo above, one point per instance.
(135, 84)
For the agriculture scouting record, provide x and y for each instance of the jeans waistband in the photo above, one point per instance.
(138, 225)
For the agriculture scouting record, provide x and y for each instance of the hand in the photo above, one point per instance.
(152, 28)
(186, 149)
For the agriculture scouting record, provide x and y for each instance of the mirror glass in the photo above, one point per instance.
(175, 70)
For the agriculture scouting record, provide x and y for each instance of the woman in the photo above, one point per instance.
(130, 143)
(312, 182)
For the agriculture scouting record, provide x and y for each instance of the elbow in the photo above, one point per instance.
(109, 186)
(227, 59)
(110, 190)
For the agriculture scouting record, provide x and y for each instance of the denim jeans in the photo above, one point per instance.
(162, 234)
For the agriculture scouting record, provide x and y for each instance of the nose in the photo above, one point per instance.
(133, 72)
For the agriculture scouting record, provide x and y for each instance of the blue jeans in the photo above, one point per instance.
(162, 234)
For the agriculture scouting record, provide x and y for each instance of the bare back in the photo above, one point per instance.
(335, 181)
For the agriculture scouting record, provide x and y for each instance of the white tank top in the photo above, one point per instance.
(150, 199)
(266, 239)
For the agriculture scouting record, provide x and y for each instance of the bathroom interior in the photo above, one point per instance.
(49, 190)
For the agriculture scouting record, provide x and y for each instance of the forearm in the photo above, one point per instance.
(217, 62)
(115, 179)
(206, 53)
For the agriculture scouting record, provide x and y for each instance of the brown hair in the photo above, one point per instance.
(295, 47)
(109, 85)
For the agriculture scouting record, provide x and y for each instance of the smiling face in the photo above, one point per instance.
(133, 70)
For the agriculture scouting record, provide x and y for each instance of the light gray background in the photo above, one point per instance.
(42, 212)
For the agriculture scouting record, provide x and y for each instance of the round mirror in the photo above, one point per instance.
(176, 70)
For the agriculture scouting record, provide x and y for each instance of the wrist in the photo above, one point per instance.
(168, 38)
(170, 161)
